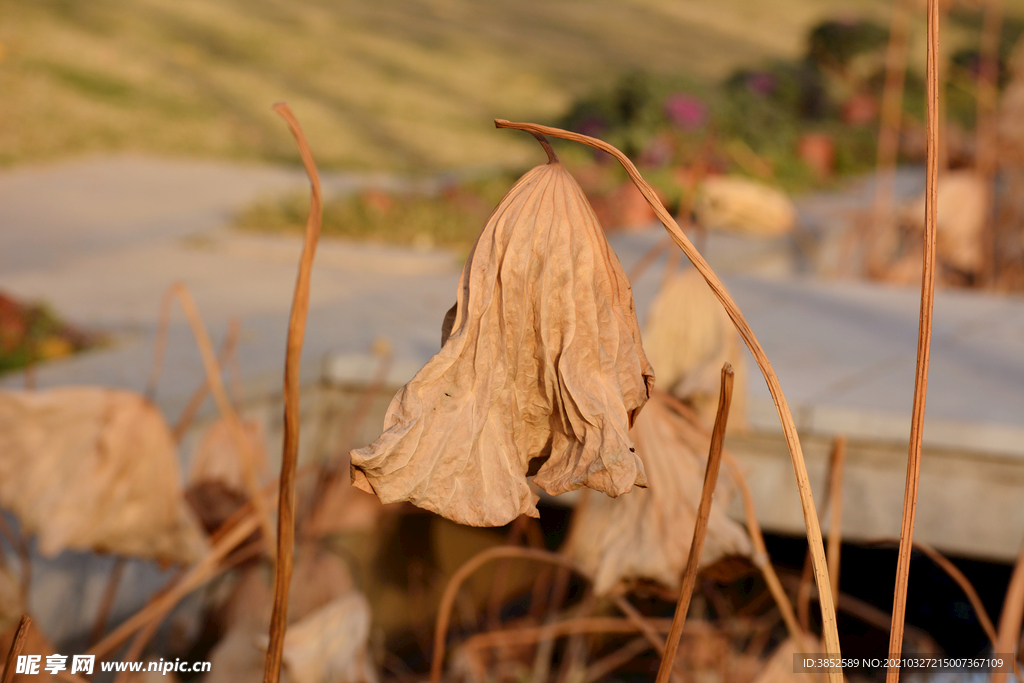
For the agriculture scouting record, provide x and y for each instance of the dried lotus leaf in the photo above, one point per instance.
(89, 468)
(687, 338)
(330, 645)
(320, 579)
(744, 206)
(647, 534)
(541, 371)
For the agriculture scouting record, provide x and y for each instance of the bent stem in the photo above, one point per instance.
(195, 401)
(828, 611)
(1011, 617)
(17, 645)
(215, 381)
(444, 610)
(290, 450)
(924, 340)
(761, 558)
(701, 527)
(835, 515)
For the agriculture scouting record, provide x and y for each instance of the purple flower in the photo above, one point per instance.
(685, 111)
(761, 82)
(592, 126)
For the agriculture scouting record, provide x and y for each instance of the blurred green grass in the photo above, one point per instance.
(451, 218)
(401, 85)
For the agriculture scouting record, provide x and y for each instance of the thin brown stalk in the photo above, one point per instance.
(17, 645)
(194, 577)
(987, 97)
(701, 527)
(134, 650)
(195, 401)
(828, 613)
(609, 663)
(899, 604)
(642, 623)
(833, 500)
(444, 610)
(20, 545)
(761, 558)
(290, 450)
(546, 646)
(215, 381)
(1011, 617)
(501, 572)
(965, 585)
(574, 655)
(107, 600)
(873, 616)
(889, 131)
(649, 257)
(835, 516)
(531, 634)
(803, 595)
(365, 406)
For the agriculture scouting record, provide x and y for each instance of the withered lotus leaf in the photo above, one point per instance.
(647, 534)
(688, 337)
(330, 645)
(540, 373)
(90, 468)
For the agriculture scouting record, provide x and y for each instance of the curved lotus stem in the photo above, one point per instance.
(290, 449)
(828, 612)
(444, 611)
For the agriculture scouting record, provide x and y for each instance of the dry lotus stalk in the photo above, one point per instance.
(36, 643)
(320, 579)
(688, 337)
(11, 608)
(90, 468)
(216, 458)
(646, 535)
(540, 373)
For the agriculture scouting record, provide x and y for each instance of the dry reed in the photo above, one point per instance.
(760, 557)
(1008, 637)
(444, 610)
(195, 401)
(20, 545)
(215, 381)
(986, 136)
(888, 132)
(835, 515)
(99, 626)
(17, 644)
(290, 450)
(828, 615)
(701, 527)
(899, 604)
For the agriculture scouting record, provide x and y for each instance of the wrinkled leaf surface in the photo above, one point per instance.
(541, 371)
(90, 468)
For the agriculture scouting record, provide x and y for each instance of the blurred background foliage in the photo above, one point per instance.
(404, 85)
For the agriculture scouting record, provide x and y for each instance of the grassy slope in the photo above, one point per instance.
(387, 84)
